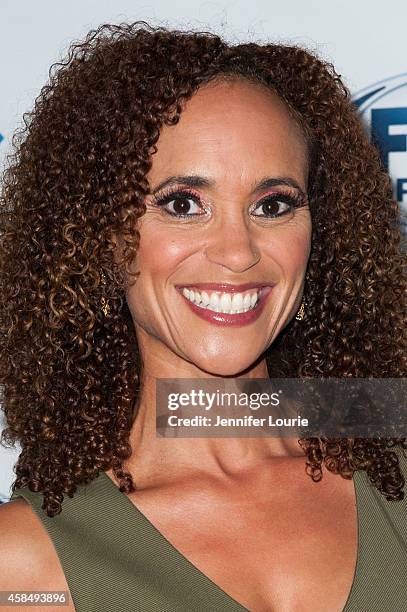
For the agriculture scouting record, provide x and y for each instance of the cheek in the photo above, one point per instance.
(290, 250)
(160, 257)
(161, 249)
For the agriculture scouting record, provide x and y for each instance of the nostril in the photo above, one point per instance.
(236, 257)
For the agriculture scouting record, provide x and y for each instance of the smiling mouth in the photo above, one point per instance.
(222, 301)
(226, 306)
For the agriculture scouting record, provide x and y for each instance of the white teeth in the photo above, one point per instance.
(225, 302)
(214, 302)
(204, 298)
(237, 301)
(246, 301)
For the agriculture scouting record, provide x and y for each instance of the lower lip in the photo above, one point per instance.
(231, 320)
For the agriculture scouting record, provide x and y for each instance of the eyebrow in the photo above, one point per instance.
(201, 181)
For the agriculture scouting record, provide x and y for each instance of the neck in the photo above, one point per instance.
(154, 456)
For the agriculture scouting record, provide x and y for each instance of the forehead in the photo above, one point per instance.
(233, 128)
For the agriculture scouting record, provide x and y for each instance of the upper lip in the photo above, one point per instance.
(225, 286)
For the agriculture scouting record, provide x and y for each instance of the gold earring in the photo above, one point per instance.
(105, 306)
(300, 314)
(103, 301)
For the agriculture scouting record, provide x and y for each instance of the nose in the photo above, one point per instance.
(232, 245)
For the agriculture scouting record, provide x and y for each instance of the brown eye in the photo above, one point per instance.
(181, 204)
(274, 206)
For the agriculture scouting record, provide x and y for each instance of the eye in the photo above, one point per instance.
(275, 205)
(180, 204)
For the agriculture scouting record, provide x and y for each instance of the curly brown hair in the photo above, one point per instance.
(77, 178)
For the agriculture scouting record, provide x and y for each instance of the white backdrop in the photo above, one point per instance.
(365, 40)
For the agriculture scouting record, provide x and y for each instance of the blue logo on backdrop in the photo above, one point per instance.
(383, 107)
(1, 137)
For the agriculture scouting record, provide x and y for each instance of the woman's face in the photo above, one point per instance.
(235, 166)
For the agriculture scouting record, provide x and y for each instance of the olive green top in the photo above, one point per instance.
(115, 560)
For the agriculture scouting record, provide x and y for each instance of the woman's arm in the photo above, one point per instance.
(28, 560)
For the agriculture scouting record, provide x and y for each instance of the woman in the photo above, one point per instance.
(157, 161)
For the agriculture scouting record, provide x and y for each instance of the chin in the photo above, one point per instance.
(221, 366)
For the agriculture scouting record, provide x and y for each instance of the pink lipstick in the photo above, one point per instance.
(224, 318)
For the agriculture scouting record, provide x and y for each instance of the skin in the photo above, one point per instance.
(256, 138)
(285, 526)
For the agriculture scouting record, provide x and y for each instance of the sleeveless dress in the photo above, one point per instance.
(115, 560)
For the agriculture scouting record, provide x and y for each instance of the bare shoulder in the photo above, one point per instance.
(28, 560)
